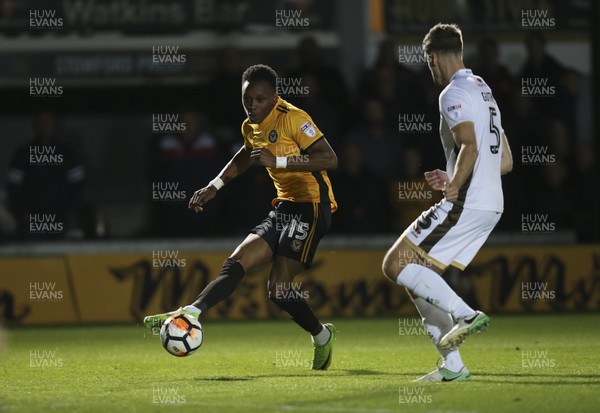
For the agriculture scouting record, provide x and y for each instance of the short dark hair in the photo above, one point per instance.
(261, 73)
(443, 38)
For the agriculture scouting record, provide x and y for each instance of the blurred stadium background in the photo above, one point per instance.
(114, 112)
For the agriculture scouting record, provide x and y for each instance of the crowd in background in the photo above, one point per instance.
(378, 162)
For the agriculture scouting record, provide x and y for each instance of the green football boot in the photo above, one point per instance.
(324, 353)
(443, 374)
(155, 321)
(464, 327)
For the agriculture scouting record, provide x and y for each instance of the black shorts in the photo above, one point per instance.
(294, 229)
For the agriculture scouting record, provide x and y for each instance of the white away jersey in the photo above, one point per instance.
(469, 99)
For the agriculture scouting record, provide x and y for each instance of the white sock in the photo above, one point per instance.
(437, 323)
(192, 309)
(453, 362)
(322, 337)
(428, 285)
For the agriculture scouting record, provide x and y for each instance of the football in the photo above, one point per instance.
(181, 335)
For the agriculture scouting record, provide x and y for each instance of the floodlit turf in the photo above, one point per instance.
(522, 364)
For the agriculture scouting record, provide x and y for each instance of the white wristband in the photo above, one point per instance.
(217, 183)
(281, 162)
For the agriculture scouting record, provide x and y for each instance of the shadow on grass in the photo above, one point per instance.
(275, 373)
(509, 378)
(247, 378)
(363, 372)
(541, 378)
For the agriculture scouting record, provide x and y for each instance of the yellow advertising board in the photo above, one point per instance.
(104, 288)
(535, 279)
(36, 290)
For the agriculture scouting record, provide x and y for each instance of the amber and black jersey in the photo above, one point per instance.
(289, 131)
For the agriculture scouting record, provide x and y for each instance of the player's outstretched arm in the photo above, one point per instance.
(464, 136)
(235, 167)
(506, 162)
(318, 157)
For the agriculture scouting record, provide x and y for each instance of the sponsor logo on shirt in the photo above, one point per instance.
(454, 111)
(487, 96)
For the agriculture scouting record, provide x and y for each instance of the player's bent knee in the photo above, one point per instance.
(248, 258)
(253, 251)
(240, 259)
(390, 267)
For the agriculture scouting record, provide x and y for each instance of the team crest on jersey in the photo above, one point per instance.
(273, 136)
(308, 129)
(296, 245)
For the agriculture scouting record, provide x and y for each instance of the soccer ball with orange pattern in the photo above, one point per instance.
(181, 335)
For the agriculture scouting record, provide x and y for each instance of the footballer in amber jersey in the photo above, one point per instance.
(288, 131)
(285, 140)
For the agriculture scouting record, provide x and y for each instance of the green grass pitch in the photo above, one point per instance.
(521, 364)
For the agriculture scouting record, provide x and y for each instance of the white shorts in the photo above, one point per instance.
(448, 234)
